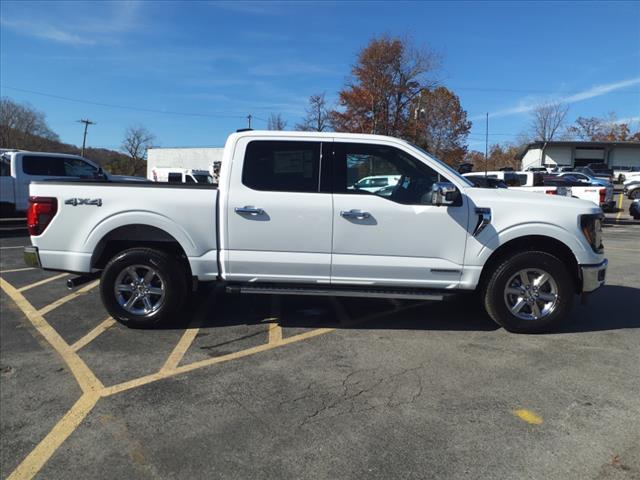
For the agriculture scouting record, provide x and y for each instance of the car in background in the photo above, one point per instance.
(608, 176)
(602, 170)
(377, 182)
(620, 174)
(632, 190)
(584, 177)
(481, 181)
(634, 209)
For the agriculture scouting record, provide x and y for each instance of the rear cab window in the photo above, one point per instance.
(40, 165)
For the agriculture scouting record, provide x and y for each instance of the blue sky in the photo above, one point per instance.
(191, 71)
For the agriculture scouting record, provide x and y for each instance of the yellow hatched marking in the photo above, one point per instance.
(528, 416)
(275, 333)
(42, 282)
(122, 387)
(102, 327)
(34, 462)
(180, 349)
(17, 270)
(84, 376)
(94, 389)
(65, 299)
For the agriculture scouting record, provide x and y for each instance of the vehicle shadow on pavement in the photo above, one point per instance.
(612, 307)
(212, 308)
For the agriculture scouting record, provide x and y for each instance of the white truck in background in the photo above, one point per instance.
(18, 168)
(529, 181)
(180, 175)
(287, 218)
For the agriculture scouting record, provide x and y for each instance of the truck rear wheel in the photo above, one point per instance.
(143, 287)
(530, 292)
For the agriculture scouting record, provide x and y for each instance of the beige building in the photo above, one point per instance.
(576, 154)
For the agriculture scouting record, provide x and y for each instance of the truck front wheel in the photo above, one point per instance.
(530, 292)
(143, 287)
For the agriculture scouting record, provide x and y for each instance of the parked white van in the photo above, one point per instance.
(180, 175)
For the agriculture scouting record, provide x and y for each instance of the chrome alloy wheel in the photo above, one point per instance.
(531, 294)
(139, 289)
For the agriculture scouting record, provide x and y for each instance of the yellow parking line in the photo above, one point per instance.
(620, 198)
(42, 282)
(275, 333)
(84, 376)
(34, 462)
(102, 327)
(180, 349)
(17, 270)
(71, 296)
(121, 387)
(528, 416)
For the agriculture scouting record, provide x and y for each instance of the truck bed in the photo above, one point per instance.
(88, 211)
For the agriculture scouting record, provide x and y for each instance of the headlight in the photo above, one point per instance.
(591, 226)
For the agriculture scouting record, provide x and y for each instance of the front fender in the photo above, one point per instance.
(490, 240)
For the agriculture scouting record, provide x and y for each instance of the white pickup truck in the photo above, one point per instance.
(287, 218)
(18, 168)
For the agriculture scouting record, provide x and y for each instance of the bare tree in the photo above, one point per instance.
(317, 118)
(276, 122)
(22, 126)
(137, 140)
(548, 119)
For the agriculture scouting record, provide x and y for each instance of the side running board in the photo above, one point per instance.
(341, 292)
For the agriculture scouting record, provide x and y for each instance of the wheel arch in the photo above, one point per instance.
(541, 243)
(136, 235)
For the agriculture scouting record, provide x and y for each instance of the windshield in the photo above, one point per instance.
(451, 170)
(203, 178)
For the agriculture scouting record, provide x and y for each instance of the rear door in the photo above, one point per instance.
(393, 236)
(278, 212)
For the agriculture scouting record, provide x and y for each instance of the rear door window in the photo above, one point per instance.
(282, 166)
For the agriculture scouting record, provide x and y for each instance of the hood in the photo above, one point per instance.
(528, 201)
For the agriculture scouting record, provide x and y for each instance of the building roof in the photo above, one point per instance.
(576, 143)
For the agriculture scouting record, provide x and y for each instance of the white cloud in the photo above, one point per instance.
(528, 104)
(63, 24)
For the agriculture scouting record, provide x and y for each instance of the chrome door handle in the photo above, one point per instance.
(357, 214)
(249, 209)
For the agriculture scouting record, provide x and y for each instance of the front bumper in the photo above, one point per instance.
(32, 257)
(593, 276)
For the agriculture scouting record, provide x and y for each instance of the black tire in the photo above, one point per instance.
(170, 278)
(494, 292)
(634, 194)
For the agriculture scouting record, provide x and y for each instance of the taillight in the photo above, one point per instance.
(40, 212)
(603, 194)
(551, 192)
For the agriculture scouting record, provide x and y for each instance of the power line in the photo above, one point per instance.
(126, 107)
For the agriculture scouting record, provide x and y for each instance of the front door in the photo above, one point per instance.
(278, 212)
(393, 235)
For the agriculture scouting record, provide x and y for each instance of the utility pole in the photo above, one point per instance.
(249, 118)
(86, 122)
(486, 145)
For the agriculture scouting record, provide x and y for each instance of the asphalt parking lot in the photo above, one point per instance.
(307, 387)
